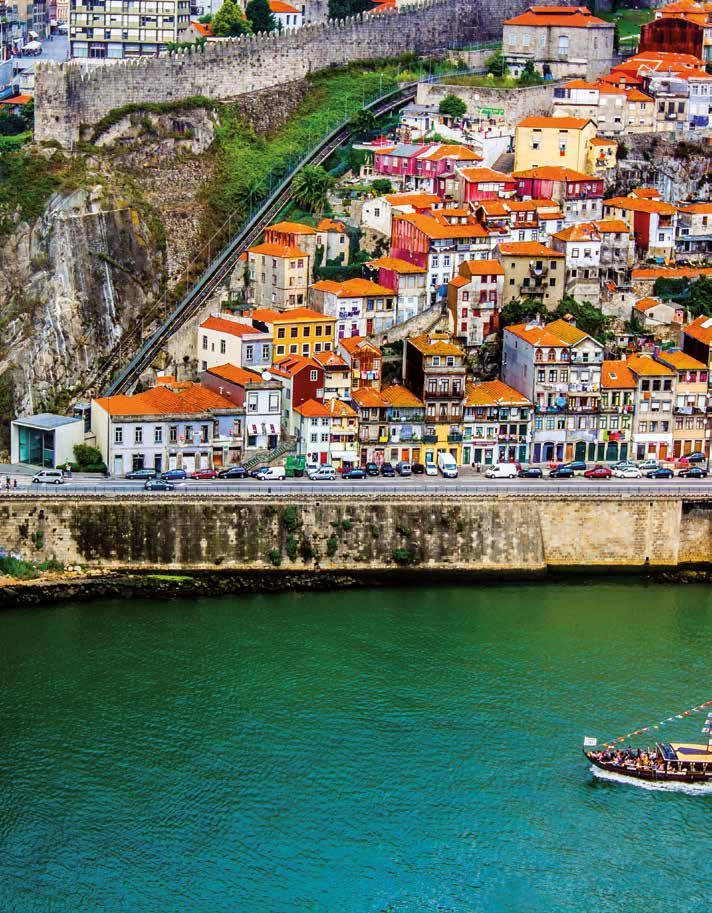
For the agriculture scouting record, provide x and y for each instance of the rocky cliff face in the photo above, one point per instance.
(71, 283)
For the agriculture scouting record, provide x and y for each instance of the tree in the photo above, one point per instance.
(529, 76)
(364, 122)
(452, 106)
(496, 64)
(229, 22)
(519, 310)
(588, 318)
(342, 9)
(260, 16)
(381, 186)
(310, 188)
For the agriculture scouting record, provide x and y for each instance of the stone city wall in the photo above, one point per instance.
(71, 94)
(524, 534)
(516, 103)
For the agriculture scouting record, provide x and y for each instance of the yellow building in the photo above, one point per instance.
(563, 141)
(300, 331)
(278, 275)
(533, 270)
(602, 154)
(690, 408)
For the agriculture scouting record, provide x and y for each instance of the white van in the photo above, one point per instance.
(273, 474)
(502, 471)
(50, 476)
(325, 473)
(447, 465)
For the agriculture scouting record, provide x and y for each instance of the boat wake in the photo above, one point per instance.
(691, 789)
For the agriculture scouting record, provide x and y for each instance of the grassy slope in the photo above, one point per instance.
(629, 21)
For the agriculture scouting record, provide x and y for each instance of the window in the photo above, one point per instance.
(313, 376)
(118, 435)
(293, 349)
(280, 350)
(173, 434)
(223, 347)
(189, 434)
(205, 342)
(158, 434)
(274, 402)
(252, 402)
(563, 44)
(138, 435)
(249, 353)
(294, 332)
(281, 332)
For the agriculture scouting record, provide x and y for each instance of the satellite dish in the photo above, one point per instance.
(266, 375)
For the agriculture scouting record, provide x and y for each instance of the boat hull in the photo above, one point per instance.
(650, 774)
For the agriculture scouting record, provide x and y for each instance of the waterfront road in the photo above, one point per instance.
(467, 483)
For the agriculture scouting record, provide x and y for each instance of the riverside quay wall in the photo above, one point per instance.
(485, 534)
(69, 95)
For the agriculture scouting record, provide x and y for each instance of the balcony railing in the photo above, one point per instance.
(430, 438)
(454, 437)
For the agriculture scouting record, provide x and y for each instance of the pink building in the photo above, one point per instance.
(426, 167)
(484, 184)
(579, 195)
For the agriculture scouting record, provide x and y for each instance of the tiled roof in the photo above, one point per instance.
(236, 375)
(331, 225)
(301, 315)
(272, 249)
(670, 272)
(601, 141)
(481, 268)
(416, 200)
(279, 6)
(368, 398)
(635, 205)
(203, 29)
(189, 400)
(681, 361)
(292, 228)
(555, 123)
(645, 365)
(312, 408)
(611, 226)
(293, 364)
(485, 175)
(330, 360)
(700, 329)
(450, 151)
(494, 393)
(530, 205)
(580, 231)
(434, 344)
(566, 332)
(396, 264)
(264, 315)
(645, 304)
(353, 288)
(232, 327)
(570, 17)
(554, 173)
(436, 229)
(398, 395)
(527, 249)
(704, 208)
(354, 344)
(535, 334)
(616, 375)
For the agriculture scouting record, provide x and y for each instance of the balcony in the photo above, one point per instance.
(538, 272)
(430, 438)
(454, 437)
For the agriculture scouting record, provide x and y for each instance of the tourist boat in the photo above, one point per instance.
(667, 762)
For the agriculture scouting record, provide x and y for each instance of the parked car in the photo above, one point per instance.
(387, 470)
(430, 468)
(574, 466)
(660, 473)
(447, 465)
(174, 475)
(356, 473)
(233, 472)
(694, 472)
(204, 474)
(598, 472)
(562, 472)
(325, 473)
(158, 485)
(695, 457)
(142, 474)
(271, 474)
(417, 469)
(501, 471)
(627, 472)
(648, 465)
(404, 468)
(372, 469)
(257, 471)
(531, 472)
(622, 464)
(49, 477)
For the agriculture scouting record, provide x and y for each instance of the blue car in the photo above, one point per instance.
(562, 472)
(660, 473)
(159, 485)
(174, 475)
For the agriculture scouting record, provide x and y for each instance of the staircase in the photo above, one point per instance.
(267, 457)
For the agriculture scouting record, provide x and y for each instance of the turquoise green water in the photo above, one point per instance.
(359, 752)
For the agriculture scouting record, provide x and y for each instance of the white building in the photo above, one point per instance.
(286, 15)
(45, 440)
(224, 339)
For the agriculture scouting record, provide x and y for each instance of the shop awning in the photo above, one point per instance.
(349, 456)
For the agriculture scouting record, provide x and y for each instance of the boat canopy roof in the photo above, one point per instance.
(693, 754)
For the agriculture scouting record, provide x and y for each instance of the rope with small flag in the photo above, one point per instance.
(658, 725)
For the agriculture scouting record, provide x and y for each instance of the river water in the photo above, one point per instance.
(349, 752)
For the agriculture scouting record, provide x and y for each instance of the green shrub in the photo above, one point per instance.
(290, 546)
(405, 556)
(346, 524)
(86, 455)
(290, 518)
(274, 556)
(306, 550)
(332, 543)
(17, 568)
(404, 530)
(38, 539)
(375, 532)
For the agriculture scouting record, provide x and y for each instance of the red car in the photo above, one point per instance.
(204, 474)
(598, 472)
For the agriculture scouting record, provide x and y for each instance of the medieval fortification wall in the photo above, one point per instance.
(71, 94)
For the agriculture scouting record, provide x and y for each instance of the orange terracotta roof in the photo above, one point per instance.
(611, 226)
(331, 225)
(302, 315)
(232, 327)
(535, 334)
(451, 150)
(704, 208)
(493, 393)
(203, 29)
(416, 200)
(494, 207)
(396, 264)
(555, 123)
(436, 229)
(635, 205)
(400, 396)
(264, 315)
(369, 398)
(700, 329)
(292, 228)
(566, 332)
(670, 272)
(356, 344)
(481, 268)
(337, 408)
(279, 6)
(293, 364)
(530, 205)
(436, 344)
(646, 304)
(600, 141)
(554, 173)
(681, 361)
(645, 365)
(312, 408)
(570, 17)
(330, 360)
(272, 249)
(190, 399)
(236, 375)
(616, 375)
(602, 88)
(459, 281)
(527, 249)
(353, 288)
(485, 175)
(580, 231)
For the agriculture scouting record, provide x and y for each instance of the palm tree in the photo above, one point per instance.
(310, 188)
